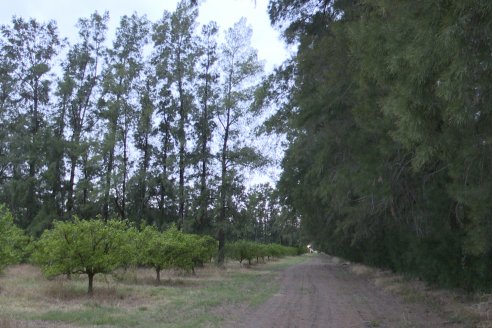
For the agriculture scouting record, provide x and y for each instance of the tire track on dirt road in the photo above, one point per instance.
(322, 293)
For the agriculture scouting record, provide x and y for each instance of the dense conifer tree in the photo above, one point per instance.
(387, 152)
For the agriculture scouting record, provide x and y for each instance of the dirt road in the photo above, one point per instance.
(324, 293)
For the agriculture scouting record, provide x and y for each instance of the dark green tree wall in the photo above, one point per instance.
(388, 155)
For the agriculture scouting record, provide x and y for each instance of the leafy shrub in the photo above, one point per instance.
(174, 249)
(247, 250)
(204, 249)
(153, 250)
(241, 250)
(179, 249)
(12, 239)
(82, 246)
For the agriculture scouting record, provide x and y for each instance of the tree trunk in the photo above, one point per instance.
(125, 164)
(107, 186)
(182, 145)
(57, 191)
(221, 253)
(203, 174)
(31, 191)
(203, 218)
(85, 191)
(223, 193)
(70, 202)
(143, 181)
(163, 188)
(91, 280)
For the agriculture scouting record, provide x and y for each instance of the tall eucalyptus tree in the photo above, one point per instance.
(239, 66)
(143, 135)
(76, 93)
(175, 53)
(118, 107)
(29, 49)
(207, 94)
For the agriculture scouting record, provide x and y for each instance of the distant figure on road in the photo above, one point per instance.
(311, 249)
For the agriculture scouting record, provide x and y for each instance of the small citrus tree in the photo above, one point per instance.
(241, 250)
(12, 239)
(130, 250)
(180, 249)
(81, 246)
(153, 250)
(204, 248)
(173, 249)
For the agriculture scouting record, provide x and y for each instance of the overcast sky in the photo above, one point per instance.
(225, 12)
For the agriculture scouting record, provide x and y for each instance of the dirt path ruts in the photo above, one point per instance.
(322, 293)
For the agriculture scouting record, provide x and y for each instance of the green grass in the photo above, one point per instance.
(204, 300)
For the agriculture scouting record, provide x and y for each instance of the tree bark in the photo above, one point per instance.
(223, 193)
(182, 145)
(90, 275)
(221, 253)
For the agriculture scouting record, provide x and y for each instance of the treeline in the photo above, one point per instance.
(241, 250)
(387, 110)
(150, 129)
(91, 247)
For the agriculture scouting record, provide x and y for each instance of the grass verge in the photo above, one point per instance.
(455, 305)
(133, 299)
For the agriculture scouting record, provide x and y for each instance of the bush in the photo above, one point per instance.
(241, 250)
(153, 250)
(187, 250)
(174, 249)
(247, 250)
(87, 247)
(204, 249)
(12, 239)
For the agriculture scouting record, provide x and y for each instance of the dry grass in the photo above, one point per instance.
(459, 307)
(25, 288)
(360, 269)
(130, 298)
(26, 293)
(7, 322)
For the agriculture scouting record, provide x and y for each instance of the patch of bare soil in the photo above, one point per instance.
(323, 292)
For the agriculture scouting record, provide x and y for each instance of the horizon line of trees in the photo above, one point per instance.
(149, 129)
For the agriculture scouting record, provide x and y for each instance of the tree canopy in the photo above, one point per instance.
(82, 247)
(12, 239)
(388, 126)
(154, 125)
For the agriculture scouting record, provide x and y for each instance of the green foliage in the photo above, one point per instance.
(180, 249)
(67, 128)
(130, 250)
(247, 250)
(12, 239)
(28, 50)
(241, 250)
(82, 246)
(388, 125)
(173, 249)
(204, 249)
(153, 249)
